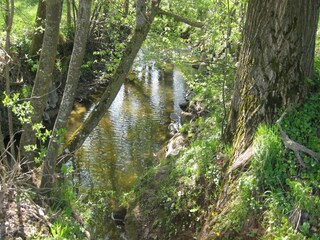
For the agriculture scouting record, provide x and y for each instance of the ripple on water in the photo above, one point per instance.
(121, 147)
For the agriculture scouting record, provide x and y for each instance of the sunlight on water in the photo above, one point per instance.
(122, 146)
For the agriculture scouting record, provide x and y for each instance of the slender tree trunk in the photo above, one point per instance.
(9, 21)
(125, 8)
(74, 12)
(69, 19)
(69, 92)
(44, 73)
(39, 31)
(143, 24)
(3, 188)
(3, 155)
(3, 192)
(276, 58)
(94, 18)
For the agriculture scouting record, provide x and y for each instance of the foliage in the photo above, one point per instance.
(64, 227)
(189, 183)
(65, 203)
(268, 165)
(302, 123)
(108, 39)
(23, 110)
(274, 190)
(97, 207)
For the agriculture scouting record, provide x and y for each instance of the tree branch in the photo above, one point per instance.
(179, 18)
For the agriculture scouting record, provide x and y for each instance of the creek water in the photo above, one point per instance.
(122, 147)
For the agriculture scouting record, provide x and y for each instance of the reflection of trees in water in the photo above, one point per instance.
(121, 148)
(105, 160)
(123, 144)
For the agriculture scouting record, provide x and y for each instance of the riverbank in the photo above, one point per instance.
(197, 194)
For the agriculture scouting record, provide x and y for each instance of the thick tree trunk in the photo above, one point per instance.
(276, 58)
(39, 31)
(143, 24)
(44, 73)
(69, 92)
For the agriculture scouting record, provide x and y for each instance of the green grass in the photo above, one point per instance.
(24, 20)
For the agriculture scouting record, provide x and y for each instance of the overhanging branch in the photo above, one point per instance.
(179, 18)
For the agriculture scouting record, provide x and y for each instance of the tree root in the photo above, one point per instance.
(294, 146)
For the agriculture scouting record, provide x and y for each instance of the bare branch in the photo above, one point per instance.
(179, 18)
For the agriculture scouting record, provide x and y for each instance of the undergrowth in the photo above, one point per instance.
(277, 198)
(274, 198)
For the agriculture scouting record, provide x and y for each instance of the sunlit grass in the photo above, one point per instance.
(25, 13)
(24, 19)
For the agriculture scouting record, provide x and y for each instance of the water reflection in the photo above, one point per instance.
(121, 147)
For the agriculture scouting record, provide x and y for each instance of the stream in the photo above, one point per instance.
(123, 146)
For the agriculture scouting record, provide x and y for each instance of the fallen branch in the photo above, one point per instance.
(179, 18)
(294, 146)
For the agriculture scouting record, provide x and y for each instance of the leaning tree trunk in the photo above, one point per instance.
(79, 48)
(144, 20)
(39, 31)
(44, 74)
(276, 59)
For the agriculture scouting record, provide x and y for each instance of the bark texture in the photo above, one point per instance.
(144, 20)
(44, 73)
(69, 92)
(276, 58)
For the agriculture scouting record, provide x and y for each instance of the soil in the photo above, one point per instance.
(21, 218)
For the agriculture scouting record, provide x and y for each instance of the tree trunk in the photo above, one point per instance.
(125, 8)
(74, 12)
(143, 24)
(44, 74)
(39, 31)
(9, 21)
(69, 92)
(276, 58)
(94, 18)
(69, 20)
(3, 154)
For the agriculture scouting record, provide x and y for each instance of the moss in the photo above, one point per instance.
(275, 66)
